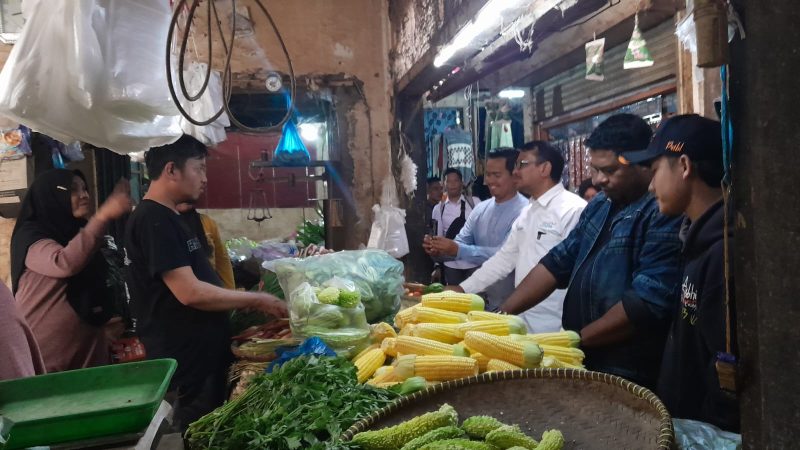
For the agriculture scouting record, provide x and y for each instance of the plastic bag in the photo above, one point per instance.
(205, 107)
(389, 231)
(637, 55)
(74, 39)
(15, 142)
(376, 274)
(313, 312)
(594, 59)
(291, 151)
(311, 346)
(696, 435)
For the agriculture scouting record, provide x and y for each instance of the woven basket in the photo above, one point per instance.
(594, 410)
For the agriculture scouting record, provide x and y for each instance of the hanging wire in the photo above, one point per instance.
(227, 77)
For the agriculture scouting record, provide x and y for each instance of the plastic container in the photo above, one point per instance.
(84, 404)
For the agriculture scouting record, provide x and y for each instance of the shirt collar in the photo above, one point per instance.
(548, 196)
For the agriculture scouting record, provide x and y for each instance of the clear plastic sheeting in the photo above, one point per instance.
(205, 107)
(695, 435)
(92, 71)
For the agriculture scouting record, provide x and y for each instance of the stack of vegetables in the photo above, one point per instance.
(306, 403)
(440, 430)
(450, 336)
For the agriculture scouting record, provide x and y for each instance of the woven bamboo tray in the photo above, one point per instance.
(594, 410)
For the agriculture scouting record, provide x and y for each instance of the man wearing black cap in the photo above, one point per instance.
(686, 159)
(621, 264)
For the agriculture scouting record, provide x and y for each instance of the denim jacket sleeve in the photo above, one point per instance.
(656, 281)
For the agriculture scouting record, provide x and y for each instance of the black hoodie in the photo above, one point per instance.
(688, 384)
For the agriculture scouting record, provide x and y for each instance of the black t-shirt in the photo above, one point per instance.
(157, 240)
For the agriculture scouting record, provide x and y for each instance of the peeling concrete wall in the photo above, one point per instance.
(414, 23)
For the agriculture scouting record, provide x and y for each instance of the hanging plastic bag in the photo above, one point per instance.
(73, 38)
(291, 151)
(637, 55)
(15, 142)
(205, 107)
(334, 315)
(389, 231)
(695, 435)
(594, 59)
(377, 276)
(71, 152)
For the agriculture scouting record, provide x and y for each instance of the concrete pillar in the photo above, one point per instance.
(765, 100)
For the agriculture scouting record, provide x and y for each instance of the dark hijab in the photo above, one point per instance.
(46, 213)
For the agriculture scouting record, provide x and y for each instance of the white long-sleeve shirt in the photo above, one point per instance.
(445, 213)
(541, 225)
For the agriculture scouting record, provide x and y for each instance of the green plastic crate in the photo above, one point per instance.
(84, 404)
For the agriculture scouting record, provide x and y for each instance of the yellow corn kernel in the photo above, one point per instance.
(363, 352)
(442, 332)
(433, 315)
(453, 301)
(554, 363)
(389, 346)
(495, 327)
(566, 354)
(381, 331)
(482, 361)
(523, 354)
(407, 330)
(477, 316)
(498, 365)
(369, 363)
(403, 317)
(412, 345)
(558, 338)
(435, 367)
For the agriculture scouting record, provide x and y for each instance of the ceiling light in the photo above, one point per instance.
(310, 131)
(511, 93)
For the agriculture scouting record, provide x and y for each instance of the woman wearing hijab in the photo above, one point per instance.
(208, 233)
(57, 271)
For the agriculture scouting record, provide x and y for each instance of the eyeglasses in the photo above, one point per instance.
(524, 162)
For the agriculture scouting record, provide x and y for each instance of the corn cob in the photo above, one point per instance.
(397, 436)
(551, 362)
(559, 338)
(498, 365)
(477, 316)
(433, 436)
(442, 332)
(403, 317)
(482, 360)
(477, 427)
(407, 330)
(508, 436)
(495, 327)
(363, 352)
(387, 384)
(551, 440)
(411, 345)
(368, 363)
(381, 331)
(523, 354)
(435, 367)
(389, 346)
(433, 315)
(568, 355)
(384, 374)
(453, 301)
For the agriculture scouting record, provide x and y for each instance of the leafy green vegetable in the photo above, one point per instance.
(309, 233)
(433, 288)
(305, 404)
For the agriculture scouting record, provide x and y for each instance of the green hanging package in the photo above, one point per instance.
(637, 55)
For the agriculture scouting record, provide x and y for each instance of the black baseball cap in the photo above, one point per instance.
(692, 135)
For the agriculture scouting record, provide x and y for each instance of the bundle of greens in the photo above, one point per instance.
(306, 403)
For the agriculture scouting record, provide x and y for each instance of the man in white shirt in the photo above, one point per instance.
(451, 216)
(551, 215)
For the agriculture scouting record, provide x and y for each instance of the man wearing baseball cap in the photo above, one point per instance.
(686, 158)
(620, 265)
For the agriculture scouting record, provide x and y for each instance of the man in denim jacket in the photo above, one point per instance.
(621, 264)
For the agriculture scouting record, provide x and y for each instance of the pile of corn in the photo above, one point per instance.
(449, 336)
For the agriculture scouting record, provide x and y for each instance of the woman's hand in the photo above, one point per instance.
(117, 204)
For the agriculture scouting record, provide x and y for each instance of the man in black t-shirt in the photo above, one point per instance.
(176, 298)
